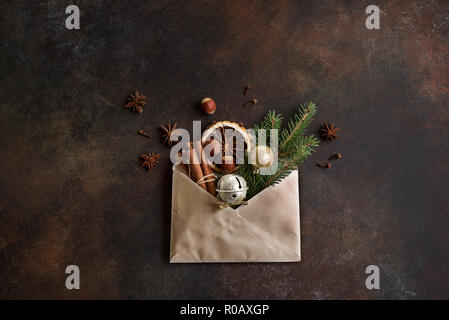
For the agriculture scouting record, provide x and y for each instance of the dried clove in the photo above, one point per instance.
(251, 102)
(247, 88)
(143, 133)
(335, 157)
(323, 165)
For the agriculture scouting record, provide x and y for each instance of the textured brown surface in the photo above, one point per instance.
(72, 190)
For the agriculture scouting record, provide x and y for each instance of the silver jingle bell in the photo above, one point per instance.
(231, 188)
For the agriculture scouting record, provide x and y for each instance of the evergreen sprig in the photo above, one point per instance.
(296, 127)
(294, 147)
(270, 121)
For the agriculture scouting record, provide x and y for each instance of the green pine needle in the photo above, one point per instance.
(297, 126)
(270, 121)
(294, 148)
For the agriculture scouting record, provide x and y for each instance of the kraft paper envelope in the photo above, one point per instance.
(265, 230)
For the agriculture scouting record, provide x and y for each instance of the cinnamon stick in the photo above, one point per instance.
(195, 168)
(211, 186)
(184, 166)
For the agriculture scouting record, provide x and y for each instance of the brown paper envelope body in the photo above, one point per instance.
(265, 230)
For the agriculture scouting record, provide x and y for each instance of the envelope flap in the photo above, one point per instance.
(267, 229)
(276, 211)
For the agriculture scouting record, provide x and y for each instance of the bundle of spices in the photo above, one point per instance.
(199, 169)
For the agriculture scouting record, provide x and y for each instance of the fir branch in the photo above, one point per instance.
(246, 171)
(270, 121)
(297, 125)
(294, 146)
(297, 146)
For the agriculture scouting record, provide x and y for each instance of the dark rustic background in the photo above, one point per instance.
(72, 190)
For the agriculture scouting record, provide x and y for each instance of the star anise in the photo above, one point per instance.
(329, 131)
(169, 133)
(136, 102)
(150, 160)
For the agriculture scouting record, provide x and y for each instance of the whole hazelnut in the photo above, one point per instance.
(227, 164)
(208, 105)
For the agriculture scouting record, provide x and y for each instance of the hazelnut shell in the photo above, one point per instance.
(208, 105)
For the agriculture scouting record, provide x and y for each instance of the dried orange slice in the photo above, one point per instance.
(233, 139)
